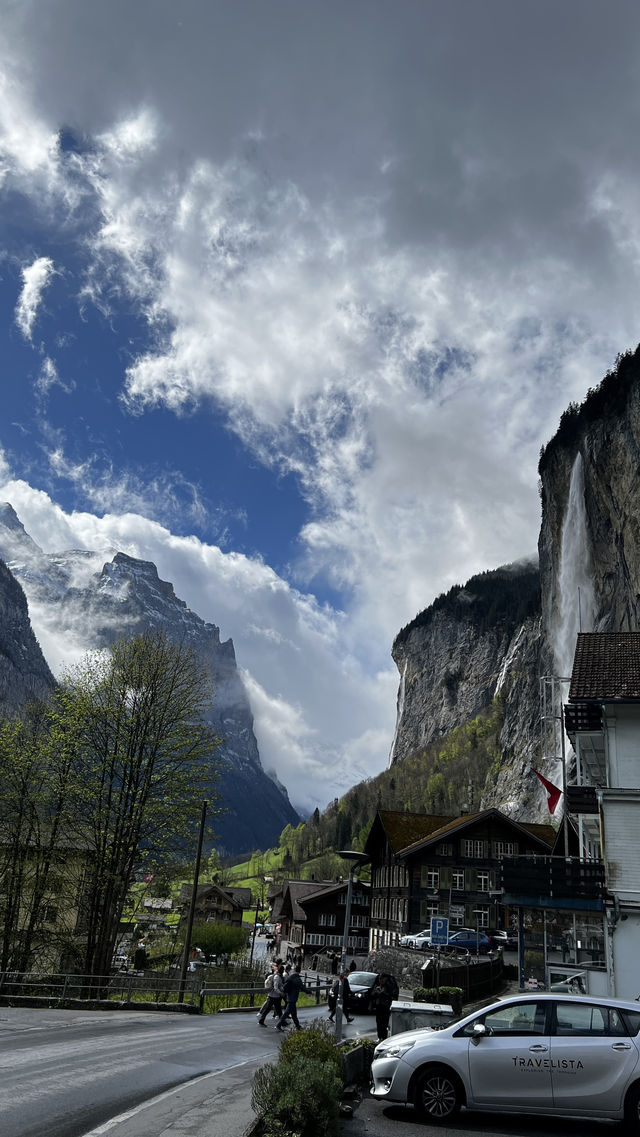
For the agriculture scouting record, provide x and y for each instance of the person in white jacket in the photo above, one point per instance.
(275, 994)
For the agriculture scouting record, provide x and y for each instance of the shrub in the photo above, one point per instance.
(436, 995)
(316, 1041)
(301, 1097)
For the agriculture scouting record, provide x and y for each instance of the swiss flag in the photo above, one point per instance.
(553, 793)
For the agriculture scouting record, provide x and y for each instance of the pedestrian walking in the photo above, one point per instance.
(384, 992)
(275, 993)
(292, 988)
(332, 997)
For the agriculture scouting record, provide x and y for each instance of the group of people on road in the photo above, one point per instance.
(285, 983)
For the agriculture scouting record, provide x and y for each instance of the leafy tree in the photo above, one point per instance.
(218, 939)
(143, 760)
(38, 872)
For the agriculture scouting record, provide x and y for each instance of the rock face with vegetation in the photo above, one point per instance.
(504, 630)
(91, 602)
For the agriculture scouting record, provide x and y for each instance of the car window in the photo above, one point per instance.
(513, 1019)
(632, 1020)
(588, 1020)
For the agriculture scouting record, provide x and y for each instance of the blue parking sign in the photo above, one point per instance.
(439, 930)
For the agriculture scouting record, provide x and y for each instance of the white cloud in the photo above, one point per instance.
(36, 277)
(388, 257)
(317, 710)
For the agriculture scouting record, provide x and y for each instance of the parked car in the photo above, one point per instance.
(562, 1055)
(476, 942)
(504, 939)
(361, 984)
(410, 940)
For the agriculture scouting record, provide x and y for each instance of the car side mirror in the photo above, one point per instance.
(479, 1031)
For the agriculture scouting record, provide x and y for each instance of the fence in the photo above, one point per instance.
(127, 988)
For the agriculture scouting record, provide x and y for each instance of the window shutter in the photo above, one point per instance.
(445, 878)
(423, 876)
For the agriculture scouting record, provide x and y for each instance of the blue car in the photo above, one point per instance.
(471, 941)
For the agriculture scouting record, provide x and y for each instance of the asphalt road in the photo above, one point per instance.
(372, 1119)
(69, 1073)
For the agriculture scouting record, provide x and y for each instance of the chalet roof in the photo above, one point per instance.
(240, 895)
(330, 890)
(545, 834)
(606, 666)
(292, 891)
(204, 891)
(403, 829)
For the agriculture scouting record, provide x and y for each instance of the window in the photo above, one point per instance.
(505, 848)
(482, 916)
(334, 941)
(327, 919)
(445, 849)
(483, 880)
(518, 1018)
(457, 879)
(427, 911)
(429, 878)
(586, 1020)
(475, 849)
(456, 915)
(315, 940)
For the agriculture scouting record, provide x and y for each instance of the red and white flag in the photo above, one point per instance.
(552, 792)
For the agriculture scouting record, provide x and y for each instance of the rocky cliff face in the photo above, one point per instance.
(90, 602)
(24, 674)
(590, 535)
(452, 664)
(478, 642)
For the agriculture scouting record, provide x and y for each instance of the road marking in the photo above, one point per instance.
(111, 1124)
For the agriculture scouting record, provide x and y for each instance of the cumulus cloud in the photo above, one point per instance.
(316, 708)
(387, 259)
(35, 278)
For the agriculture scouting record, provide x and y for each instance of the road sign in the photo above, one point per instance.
(439, 930)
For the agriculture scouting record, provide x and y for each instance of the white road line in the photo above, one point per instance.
(111, 1124)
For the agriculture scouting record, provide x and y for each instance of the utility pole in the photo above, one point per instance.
(192, 907)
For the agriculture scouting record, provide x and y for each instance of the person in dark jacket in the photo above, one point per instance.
(332, 997)
(292, 988)
(384, 993)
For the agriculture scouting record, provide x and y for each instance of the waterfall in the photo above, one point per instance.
(576, 602)
(399, 711)
(575, 605)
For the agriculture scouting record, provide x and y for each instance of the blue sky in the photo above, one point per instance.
(291, 295)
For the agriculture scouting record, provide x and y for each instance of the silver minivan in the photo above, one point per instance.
(563, 1055)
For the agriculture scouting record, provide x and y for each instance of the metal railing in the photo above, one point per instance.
(121, 987)
(316, 988)
(127, 988)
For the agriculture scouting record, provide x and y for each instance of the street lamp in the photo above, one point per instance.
(356, 858)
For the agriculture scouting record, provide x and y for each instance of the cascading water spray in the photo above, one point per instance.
(400, 709)
(576, 604)
(575, 609)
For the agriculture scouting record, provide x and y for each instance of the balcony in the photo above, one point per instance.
(553, 882)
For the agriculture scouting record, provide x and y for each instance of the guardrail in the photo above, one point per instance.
(123, 987)
(129, 988)
(310, 987)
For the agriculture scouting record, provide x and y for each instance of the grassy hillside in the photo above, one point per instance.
(441, 778)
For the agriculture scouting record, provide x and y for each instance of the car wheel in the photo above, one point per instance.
(632, 1110)
(437, 1095)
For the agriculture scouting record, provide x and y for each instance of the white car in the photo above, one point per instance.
(561, 1055)
(416, 939)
